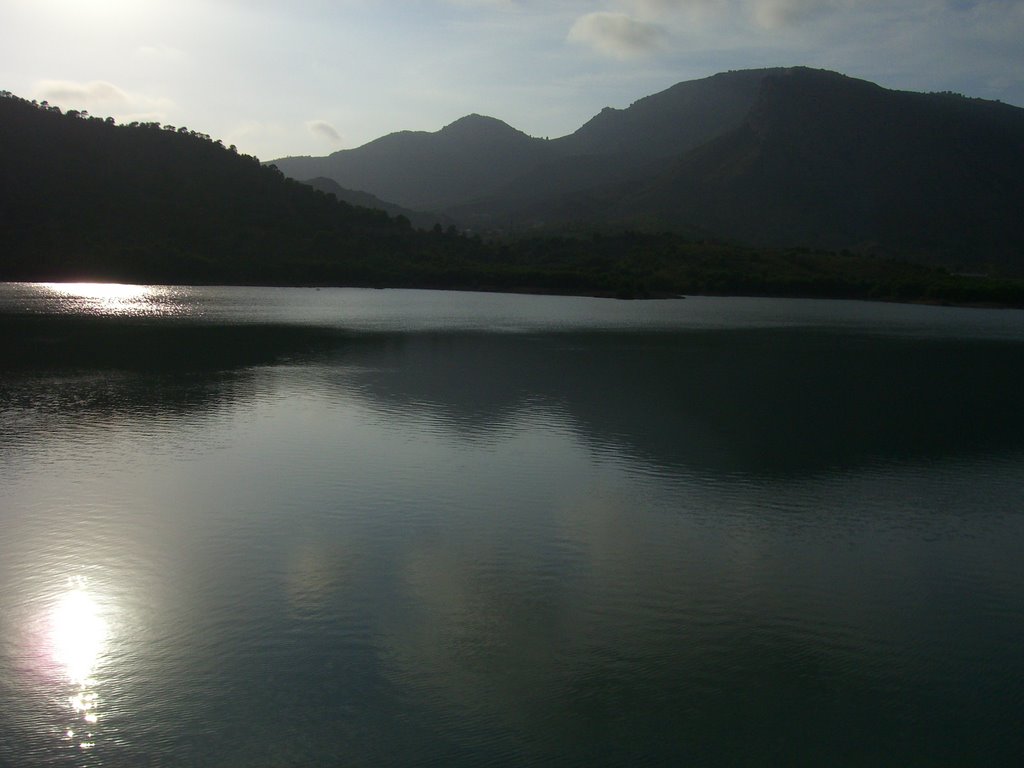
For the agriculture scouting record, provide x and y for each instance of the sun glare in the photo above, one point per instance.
(103, 291)
(78, 634)
(78, 638)
(109, 298)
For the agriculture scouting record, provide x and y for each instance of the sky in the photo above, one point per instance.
(309, 77)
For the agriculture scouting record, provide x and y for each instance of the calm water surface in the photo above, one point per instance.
(289, 527)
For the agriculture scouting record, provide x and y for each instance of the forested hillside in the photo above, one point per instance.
(85, 199)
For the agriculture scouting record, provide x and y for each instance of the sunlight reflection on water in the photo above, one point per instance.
(114, 299)
(78, 639)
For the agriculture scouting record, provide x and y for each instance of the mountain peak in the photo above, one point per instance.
(476, 125)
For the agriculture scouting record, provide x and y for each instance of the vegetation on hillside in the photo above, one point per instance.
(85, 199)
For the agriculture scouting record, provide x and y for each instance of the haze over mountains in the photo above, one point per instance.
(776, 157)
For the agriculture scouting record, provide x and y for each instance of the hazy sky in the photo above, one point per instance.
(313, 76)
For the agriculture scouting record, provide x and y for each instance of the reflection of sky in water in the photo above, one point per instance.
(475, 550)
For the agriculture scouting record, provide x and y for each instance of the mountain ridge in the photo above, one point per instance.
(485, 151)
(85, 199)
(779, 156)
(859, 166)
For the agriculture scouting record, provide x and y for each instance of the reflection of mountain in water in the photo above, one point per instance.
(65, 342)
(737, 400)
(107, 367)
(724, 400)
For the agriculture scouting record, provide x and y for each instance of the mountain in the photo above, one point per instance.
(418, 219)
(473, 157)
(827, 160)
(672, 122)
(484, 171)
(83, 198)
(770, 157)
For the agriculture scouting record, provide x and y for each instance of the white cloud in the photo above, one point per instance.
(104, 98)
(323, 129)
(93, 94)
(616, 34)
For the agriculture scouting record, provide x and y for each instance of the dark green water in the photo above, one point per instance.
(286, 527)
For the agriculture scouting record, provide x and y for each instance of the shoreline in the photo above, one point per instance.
(541, 291)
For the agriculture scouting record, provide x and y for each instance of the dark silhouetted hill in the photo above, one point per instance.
(770, 157)
(672, 122)
(471, 158)
(84, 199)
(490, 176)
(830, 161)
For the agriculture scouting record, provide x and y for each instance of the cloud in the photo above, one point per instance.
(777, 14)
(616, 34)
(97, 93)
(101, 97)
(662, 6)
(325, 130)
(758, 14)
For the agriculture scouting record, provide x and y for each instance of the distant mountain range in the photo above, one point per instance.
(770, 157)
(82, 198)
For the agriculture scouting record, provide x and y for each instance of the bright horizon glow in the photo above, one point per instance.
(309, 78)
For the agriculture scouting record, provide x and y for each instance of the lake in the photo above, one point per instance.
(339, 527)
